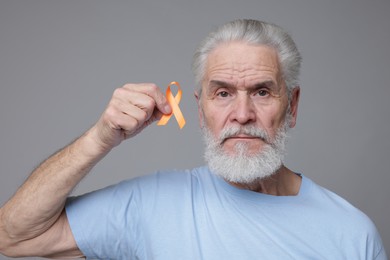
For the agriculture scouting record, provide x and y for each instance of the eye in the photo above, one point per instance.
(223, 94)
(263, 92)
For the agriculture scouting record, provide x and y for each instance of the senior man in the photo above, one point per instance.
(245, 204)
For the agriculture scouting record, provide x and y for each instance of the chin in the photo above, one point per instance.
(243, 167)
(243, 148)
(242, 159)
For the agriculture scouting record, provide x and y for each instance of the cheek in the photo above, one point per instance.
(210, 120)
(271, 118)
(214, 119)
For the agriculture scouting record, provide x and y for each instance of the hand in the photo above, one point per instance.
(130, 110)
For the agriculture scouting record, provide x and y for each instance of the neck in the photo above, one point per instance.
(284, 182)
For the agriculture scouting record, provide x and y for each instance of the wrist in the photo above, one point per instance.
(90, 145)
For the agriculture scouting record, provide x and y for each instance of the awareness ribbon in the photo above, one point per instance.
(174, 102)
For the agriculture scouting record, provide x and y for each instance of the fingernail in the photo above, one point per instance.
(167, 109)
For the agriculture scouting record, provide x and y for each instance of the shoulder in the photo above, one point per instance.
(333, 202)
(347, 223)
(140, 199)
(165, 178)
(160, 184)
(339, 210)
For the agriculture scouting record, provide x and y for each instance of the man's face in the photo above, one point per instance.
(243, 86)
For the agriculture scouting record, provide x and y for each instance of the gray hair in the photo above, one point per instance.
(252, 32)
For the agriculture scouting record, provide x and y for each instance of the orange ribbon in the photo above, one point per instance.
(174, 102)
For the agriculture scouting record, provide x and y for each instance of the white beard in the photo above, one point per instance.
(242, 167)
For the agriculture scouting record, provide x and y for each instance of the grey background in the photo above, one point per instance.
(61, 61)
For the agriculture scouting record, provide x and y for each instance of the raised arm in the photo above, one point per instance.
(33, 222)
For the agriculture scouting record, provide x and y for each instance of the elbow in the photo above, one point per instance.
(11, 252)
(7, 253)
(8, 245)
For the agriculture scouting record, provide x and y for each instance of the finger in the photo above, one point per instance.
(129, 122)
(154, 92)
(134, 104)
(118, 120)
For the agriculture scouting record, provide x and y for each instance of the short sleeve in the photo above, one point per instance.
(104, 222)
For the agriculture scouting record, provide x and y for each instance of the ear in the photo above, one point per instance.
(296, 92)
(200, 112)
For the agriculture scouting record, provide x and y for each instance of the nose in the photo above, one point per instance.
(243, 110)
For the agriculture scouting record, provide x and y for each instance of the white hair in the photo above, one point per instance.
(242, 167)
(252, 32)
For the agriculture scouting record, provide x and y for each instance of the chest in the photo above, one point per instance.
(227, 228)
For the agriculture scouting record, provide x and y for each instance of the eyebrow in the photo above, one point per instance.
(218, 83)
(222, 84)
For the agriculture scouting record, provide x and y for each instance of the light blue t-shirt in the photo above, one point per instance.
(194, 214)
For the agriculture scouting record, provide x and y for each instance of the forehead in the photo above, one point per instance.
(241, 63)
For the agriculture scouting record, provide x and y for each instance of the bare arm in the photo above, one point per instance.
(33, 221)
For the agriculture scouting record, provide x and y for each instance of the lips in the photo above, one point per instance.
(243, 133)
(243, 137)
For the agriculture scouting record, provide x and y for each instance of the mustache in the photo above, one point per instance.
(248, 130)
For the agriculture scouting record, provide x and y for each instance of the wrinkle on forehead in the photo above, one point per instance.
(241, 64)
